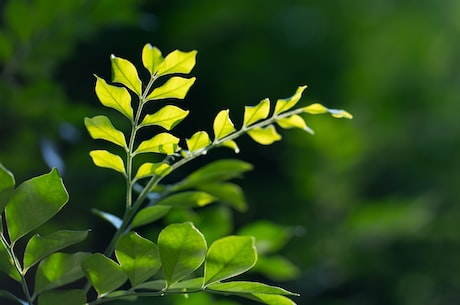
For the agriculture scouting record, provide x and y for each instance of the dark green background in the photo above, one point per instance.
(373, 201)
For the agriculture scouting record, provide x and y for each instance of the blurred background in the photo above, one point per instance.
(370, 205)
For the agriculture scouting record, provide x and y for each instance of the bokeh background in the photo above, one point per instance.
(371, 205)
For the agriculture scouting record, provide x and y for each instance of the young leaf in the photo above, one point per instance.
(187, 199)
(149, 215)
(226, 192)
(100, 127)
(7, 264)
(67, 297)
(139, 257)
(57, 270)
(33, 203)
(114, 97)
(222, 125)
(39, 246)
(6, 186)
(315, 109)
(150, 169)
(219, 170)
(338, 113)
(247, 287)
(283, 105)
(103, 273)
(167, 117)
(163, 143)
(182, 251)
(112, 219)
(256, 113)
(177, 62)
(228, 257)
(265, 136)
(125, 73)
(232, 145)
(294, 121)
(175, 87)
(103, 158)
(198, 141)
(151, 58)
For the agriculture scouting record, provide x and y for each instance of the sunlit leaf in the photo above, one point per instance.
(338, 113)
(283, 105)
(163, 143)
(223, 126)
(232, 145)
(103, 273)
(138, 256)
(151, 169)
(112, 219)
(186, 285)
(177, 62)
(167, 117)
(67, 297)
(265, 136)
(114, 97)
(175, 87)
(103, 158)
(228, 257)
(155, 285)
(248, 287)
(256, 113)
(269, 299)
(58, 269)
(198, 141)
(124, 72)
(315, 109)
(100, 127)
(294, 121)
(151, 58)
(6, 186)
(7, 264)
(226, 192)
(33, 203)
(149, 215)
(182, 250)
(39, 246)
(187, 199)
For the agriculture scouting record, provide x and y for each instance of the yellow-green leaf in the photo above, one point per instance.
(175, 87)
(199, 140)
(103, 158)
(163, 143)
(167, 117)
(177, 62)
(223, 126)
(124, 72)
(151, 58)
(114, 97)
(265, 136)
(100, 127)
(283, 105)
(151, 169)
(253, 114)
(338, 113)
(232, 145)
(315, 109)
(294, 121)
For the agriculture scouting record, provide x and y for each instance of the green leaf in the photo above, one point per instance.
(256, 113)
(175, 87)
(151, 58)
(6, 186)
(103, 273)
(39, 246)
(67, 297)
(283, 105)
(228, 257)
(163, 143)
(219, 170)
(315, 109)
(100, 127)
(7, 264)
(114, 97)
(198, 141)
(232, 145)
(112, 219)
(151, 169)
(57, 270)
(223, 126)
(124, 72)
(139, 257)
(155, 285)
(269, 299)
(33, 203)
(182, 250)
(167, 117)
(8, 295)
(177, 62)
(187, 199)
(226, 192)
(248, 287)
(103, 158)
(183, 286)
(265, 136)
(149, 215)
(294, 121)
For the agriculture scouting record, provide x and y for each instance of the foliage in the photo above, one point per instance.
(172, 264)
